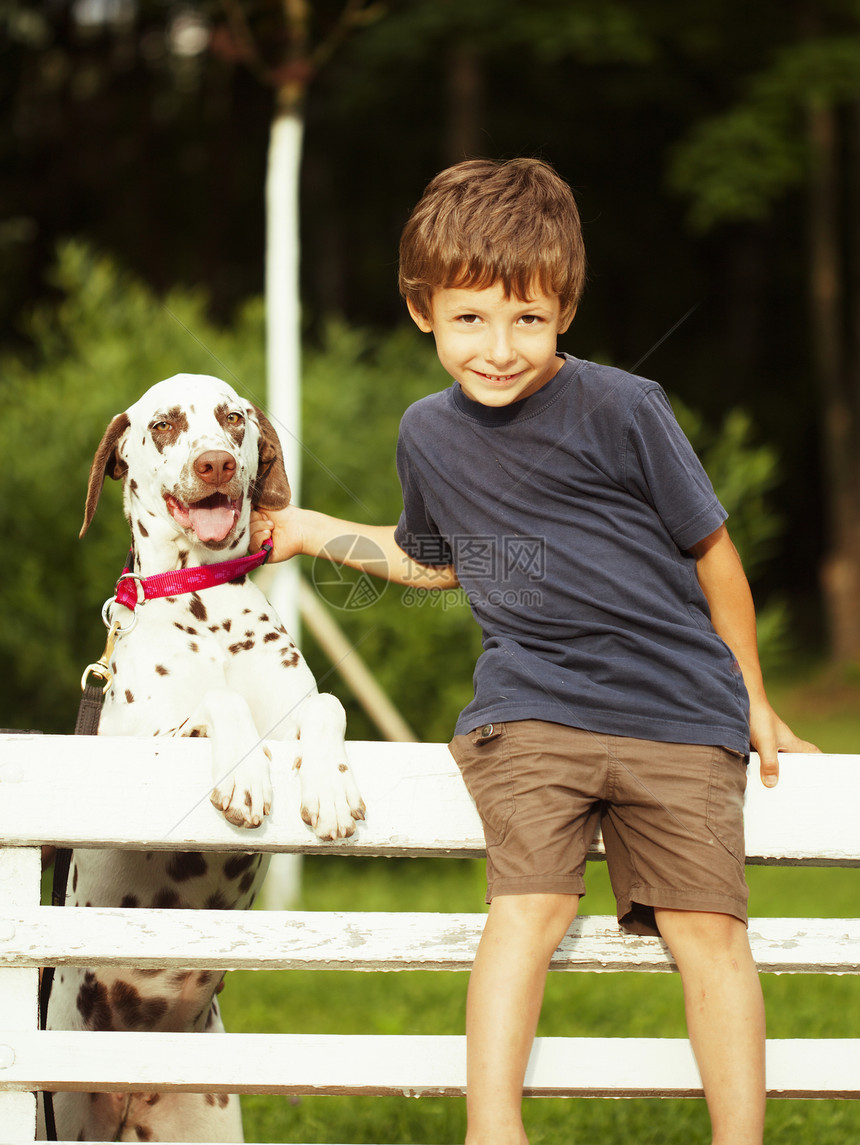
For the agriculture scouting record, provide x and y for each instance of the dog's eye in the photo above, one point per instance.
(234, 419)
(160, 426)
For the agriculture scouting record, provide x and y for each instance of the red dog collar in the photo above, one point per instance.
(132, 589)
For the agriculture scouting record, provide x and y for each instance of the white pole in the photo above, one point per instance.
(283, 328)
(283, 356)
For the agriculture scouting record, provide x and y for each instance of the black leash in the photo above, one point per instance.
(87, 723)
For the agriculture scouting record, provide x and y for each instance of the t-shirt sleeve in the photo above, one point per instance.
(416, 532)
(661, 467)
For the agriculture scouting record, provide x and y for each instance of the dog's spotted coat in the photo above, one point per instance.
(194, 457)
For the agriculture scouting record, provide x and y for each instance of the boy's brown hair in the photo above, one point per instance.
(481, 222)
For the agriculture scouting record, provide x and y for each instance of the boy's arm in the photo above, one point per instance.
(369, 548)
(727, 592)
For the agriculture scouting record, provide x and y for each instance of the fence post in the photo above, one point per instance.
(20, 890)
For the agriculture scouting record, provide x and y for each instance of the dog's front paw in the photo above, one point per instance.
(244, 794)
(331, 801)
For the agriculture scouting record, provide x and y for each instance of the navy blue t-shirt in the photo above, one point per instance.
(568, 517)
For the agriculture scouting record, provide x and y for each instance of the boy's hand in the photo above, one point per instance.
(769, 735)
(282, 526)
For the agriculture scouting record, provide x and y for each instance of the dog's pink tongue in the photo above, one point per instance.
(212, 519)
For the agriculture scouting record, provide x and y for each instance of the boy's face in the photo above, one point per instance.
(499, 349)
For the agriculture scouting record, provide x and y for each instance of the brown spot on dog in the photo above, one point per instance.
(160, 670)
(192, 646)
(144, 532)
(180, 977)
(129, 696)
(186, 628)
(240, 646)
(269, 637)
(137, 1013)
(231, 421)
(93, 1005)
(227, 624)
(217, 901)
(165, 429)
(166, 899)
(129, 901)
(186, 865)
(197, 608)
(238, 864)
(289, 657)
(247, 882)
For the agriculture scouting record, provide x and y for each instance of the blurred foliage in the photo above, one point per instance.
(734, 166)
(109, 338)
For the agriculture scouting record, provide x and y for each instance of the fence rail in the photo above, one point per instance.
(142, 794)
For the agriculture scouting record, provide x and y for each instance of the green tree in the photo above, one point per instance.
(796, 129)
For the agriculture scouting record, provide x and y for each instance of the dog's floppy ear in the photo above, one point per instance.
(106, 463)
(271, 487)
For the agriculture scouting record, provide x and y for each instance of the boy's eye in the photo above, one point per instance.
(469, 319)
(531, 319)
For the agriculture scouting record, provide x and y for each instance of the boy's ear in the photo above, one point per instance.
(564, 324)
(421, 321)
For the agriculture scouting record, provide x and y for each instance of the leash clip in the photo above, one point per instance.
(101, 668)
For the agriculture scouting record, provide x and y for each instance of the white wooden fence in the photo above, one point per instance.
(85, 792)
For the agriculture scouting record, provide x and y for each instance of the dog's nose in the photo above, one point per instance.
(215, 467)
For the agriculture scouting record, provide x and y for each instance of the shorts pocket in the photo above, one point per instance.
(725, 813)
(484, 759)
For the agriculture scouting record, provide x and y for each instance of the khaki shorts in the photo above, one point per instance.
(671, 815)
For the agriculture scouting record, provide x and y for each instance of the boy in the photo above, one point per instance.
(619, 680)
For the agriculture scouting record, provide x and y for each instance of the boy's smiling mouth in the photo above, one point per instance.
(501, 378)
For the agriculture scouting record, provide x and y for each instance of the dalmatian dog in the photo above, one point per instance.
(194, 457)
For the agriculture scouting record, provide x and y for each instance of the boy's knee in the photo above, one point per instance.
(548, 914)
(702, 930)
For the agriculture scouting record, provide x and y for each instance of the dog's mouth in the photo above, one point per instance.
(211, 519)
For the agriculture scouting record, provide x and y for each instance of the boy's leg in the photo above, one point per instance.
(504, 1000)
(725, 1018)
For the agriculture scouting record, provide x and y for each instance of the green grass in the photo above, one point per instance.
(612, 1005)
(616, 1005)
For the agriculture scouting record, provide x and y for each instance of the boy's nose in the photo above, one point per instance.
(500, 348)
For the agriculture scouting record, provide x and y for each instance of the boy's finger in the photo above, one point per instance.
(769, 769)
